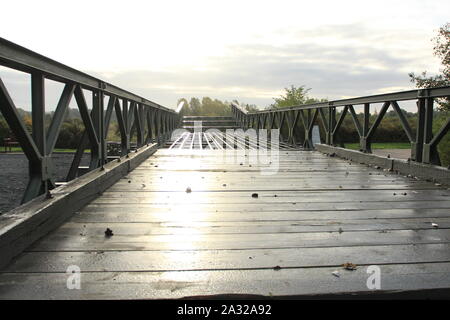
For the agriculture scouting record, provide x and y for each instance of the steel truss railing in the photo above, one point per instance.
(423, 142)
(150, 121)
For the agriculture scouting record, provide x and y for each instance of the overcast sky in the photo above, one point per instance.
(245, 50)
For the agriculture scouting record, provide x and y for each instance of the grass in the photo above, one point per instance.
(19, 149)
(381, 145)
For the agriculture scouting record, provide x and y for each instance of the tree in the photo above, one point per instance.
(70, 134)
(5, 132)
(250, 107)
(195, 107)
(205, 107)
(293, 97)
(441, 50)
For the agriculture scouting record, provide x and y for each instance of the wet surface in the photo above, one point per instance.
(315, 217)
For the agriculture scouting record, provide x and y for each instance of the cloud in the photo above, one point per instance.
(256, 73)
(336, 61)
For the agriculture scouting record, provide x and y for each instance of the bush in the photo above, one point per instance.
(443, 146)
(5, 132)
(70, 134)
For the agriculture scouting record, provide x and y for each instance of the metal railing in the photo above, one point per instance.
(423, 141)
(151, 121)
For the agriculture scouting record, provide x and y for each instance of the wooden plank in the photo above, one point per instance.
(143, 215)
(256, 177)
(58, 241)
(265, 282)
(274, 197)
(268, 186)
(260, 206)
(161, 261)
(250, 227)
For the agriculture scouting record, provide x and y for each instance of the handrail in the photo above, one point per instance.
(239, 107)
(423, 142)
(20, 58)
(150, 121)
(379, 98)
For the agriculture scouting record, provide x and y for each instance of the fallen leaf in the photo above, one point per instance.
(349, 266)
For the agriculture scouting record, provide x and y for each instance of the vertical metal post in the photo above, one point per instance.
(38, 110)
(363, 142)
(97, 119)
(126, 138)
(308, 133)
(39, 170)
(429, 153)
(150, 124)
(331, 123)
(417, 146)
(157, 118)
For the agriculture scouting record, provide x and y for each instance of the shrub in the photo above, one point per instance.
(444, 145)
(70, 134)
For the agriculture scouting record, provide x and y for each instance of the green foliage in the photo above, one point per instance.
(250, 107)
(205, 107)
(444, 145)
(381, 145)
(70, 134)
(294, 97)
(4, 130)
(442, 51)
(389, 130)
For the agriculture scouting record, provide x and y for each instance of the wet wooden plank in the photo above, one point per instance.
(159, 261)
(127, 214)
(261, 206)
(316, 213)
(58, 241)
(276, 197)
(250, 227)
(284, 282)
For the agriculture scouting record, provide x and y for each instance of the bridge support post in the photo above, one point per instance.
(331, 124)
(429, 149)
(364, 143)
(157, 117)
(149, 117)
(39, 168)
(417, 145)
(98, 154)
(125, 137)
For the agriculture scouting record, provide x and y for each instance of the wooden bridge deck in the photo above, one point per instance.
(315, 214)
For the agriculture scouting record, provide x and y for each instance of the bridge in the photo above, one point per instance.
(241, 206)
